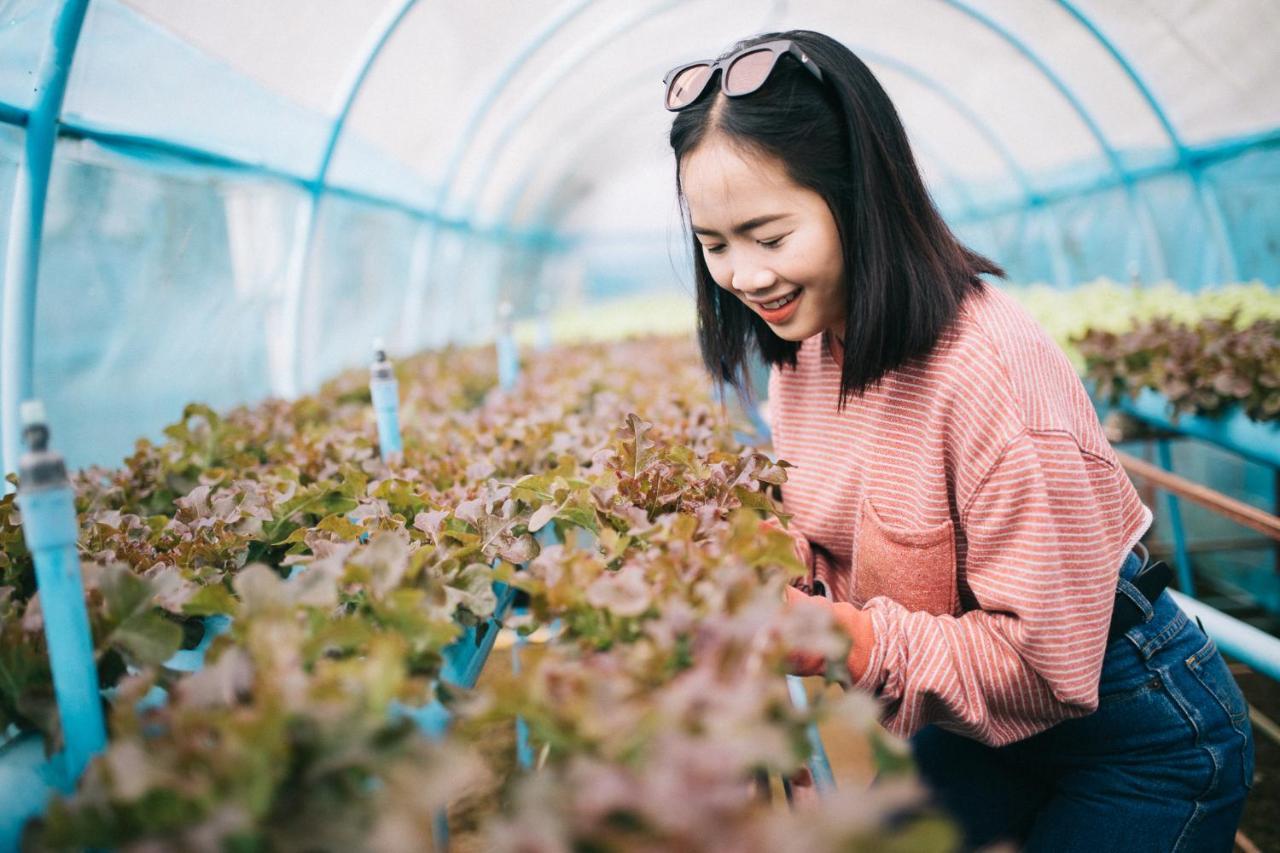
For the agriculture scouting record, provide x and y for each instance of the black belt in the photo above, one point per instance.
(1150, 581)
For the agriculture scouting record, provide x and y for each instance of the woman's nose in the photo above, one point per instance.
(753, 279)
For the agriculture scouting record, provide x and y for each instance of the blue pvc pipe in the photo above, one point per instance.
(819, 765)
(50, 529)
(1234, 431)
(1238, 639)
(508, 360)
(137, 146)
(28, 780)
(10, 114)
(26, 230)
(524, 752)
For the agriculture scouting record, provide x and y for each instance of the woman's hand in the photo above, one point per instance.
(852, 620)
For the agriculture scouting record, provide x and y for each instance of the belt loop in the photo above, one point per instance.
(1143, 553)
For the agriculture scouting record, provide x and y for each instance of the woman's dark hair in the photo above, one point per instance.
(905, 273)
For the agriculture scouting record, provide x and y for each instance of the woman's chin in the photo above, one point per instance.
(794, 332)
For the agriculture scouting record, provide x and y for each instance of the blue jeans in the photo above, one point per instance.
(1164, 764)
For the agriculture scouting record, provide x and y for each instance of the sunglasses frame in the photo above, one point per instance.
(777, 47)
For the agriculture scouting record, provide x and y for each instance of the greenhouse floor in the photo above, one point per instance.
(852, 763)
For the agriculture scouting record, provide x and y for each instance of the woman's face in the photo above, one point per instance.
(768, 241)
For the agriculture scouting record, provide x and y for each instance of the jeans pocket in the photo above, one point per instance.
(1134, 691)
(1209, 668)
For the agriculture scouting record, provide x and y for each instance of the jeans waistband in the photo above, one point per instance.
(1139, 585)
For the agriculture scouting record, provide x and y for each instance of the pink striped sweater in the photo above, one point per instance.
(971, 505)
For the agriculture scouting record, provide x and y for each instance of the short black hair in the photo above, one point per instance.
(905, 273)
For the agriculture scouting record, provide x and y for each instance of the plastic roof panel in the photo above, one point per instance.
(467, 96)
(297, 49)
(131, 76)
(436, 71)
(24, 33)
(1048, 131)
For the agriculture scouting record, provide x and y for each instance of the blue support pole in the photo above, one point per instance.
(26, 230)
(1182, 556)
(508, 352)
(287, 378)
(819, 765)
(524, 752)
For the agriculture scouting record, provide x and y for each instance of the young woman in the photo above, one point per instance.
(962, 514)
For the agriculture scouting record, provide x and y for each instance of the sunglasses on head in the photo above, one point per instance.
(741, 73)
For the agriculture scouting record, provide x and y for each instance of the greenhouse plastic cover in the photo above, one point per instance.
(243, 194)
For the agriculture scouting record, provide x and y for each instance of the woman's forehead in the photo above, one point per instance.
(721, 177)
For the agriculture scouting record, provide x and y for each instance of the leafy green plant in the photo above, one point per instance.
(346, 577)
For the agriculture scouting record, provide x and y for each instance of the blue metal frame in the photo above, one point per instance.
(26, 228)
(1210, 204)
(1139, 205)
(1206, 155)
(288, 382)
(1234, 432)
(133, 145)
(515, 195)
(415, 293)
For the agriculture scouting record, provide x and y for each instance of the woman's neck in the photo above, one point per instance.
(835, 346)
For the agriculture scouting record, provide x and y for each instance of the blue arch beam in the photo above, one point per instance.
(286, 378)
(1140, 209)
(1210, 205)
(1123, 177)
(26, 228)
(966, 114)
(415, 293)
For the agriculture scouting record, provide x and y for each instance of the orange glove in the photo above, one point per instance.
(855, 623)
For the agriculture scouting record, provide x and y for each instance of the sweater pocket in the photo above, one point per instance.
(916, 568)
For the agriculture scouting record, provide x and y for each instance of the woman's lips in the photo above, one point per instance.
(778, 316)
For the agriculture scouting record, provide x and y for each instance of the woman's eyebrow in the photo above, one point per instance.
(744, 227)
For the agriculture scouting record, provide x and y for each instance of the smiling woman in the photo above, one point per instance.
(964, 519)
(809, 187)
(781, 257)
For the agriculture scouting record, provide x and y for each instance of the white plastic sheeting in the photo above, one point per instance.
(499, 147)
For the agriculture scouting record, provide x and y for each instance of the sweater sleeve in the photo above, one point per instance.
(1043, 535)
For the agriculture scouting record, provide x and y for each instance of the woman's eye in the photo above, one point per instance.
(714, 250)
(771, 244)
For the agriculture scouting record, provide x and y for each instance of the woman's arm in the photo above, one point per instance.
(1045, 534)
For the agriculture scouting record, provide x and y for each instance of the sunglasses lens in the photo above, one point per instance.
(748, 72)
(686, 86)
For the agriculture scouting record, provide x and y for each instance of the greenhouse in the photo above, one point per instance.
(594, 425)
